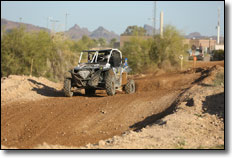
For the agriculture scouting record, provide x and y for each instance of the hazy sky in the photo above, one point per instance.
(187, 16)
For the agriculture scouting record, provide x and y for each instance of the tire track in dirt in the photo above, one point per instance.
(80, 120)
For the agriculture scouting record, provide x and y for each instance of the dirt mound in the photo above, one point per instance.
(197, 123)
(167, 81)
(176, 80)
(25, 88)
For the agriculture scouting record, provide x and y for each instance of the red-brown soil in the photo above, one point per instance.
(77, 121)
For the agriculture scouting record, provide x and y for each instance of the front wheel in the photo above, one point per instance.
(67, 88)
(130, 87)
(110, 84)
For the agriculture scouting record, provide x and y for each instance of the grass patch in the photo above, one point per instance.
(219, 79)
(180, 144)
(213, 147)
(218, 147)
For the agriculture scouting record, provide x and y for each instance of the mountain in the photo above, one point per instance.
(76, 32)
(9, 25)
(101, 32)
(148, 29)
(195, 35)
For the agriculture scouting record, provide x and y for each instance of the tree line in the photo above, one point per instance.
(42, 53)
(52, 55)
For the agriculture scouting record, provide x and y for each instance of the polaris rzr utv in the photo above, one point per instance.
(102, 69)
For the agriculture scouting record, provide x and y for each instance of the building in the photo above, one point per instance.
(219, 47)
(208, 44)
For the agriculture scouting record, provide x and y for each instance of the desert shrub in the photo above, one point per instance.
(37, 54)
(165, 51)
(149, 54)
(218, 55)
(137, 53)
(19, 49)
(219, 79)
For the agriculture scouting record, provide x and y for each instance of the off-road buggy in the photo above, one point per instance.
(102, 69)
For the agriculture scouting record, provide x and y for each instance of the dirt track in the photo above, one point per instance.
(80, 120)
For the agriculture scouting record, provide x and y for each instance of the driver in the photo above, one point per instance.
(105, 57)
(90, 57)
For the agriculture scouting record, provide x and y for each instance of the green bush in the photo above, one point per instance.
(137, 53)
(219, 79)
(47, 55)
(165, 51)
(148, 54)
(218, 55)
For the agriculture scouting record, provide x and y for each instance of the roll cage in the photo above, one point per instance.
(111, 56)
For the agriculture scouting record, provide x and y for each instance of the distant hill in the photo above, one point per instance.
(76, 32)
(9, 25)
(197, 35)
(149, 29)
(101, 32)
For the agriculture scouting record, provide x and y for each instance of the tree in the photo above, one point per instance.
(112, 42)
(137, 52)
(166, 51)
(102, 42)
(13, 45)
(134, 31)
(37, 53)
(147, 54)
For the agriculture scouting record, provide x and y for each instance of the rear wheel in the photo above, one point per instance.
(67, 88)
(90, 91)
(110, 84)
(130, 87)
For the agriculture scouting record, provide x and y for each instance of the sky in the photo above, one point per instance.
(186, 16)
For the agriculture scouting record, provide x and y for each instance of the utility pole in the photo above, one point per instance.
(161, 24)
(154, 22)
(53, 24)
(218, 27)
(47, 21)
(66, 20)
(20, 19)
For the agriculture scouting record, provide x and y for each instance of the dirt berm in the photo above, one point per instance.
(38, 116)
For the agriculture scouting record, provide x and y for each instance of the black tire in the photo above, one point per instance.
(89, 91)
(67, 88)
(110, 84)
(130, 87)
